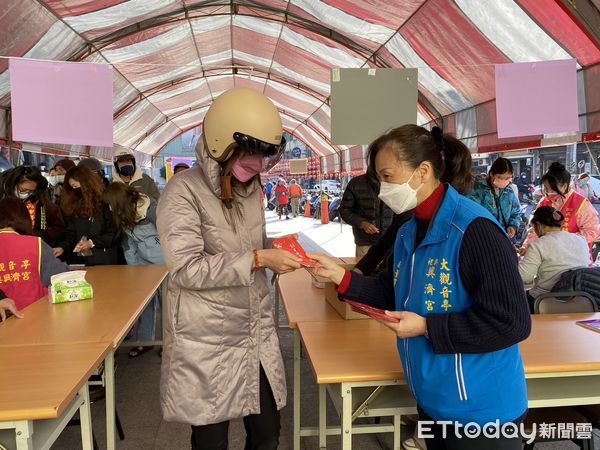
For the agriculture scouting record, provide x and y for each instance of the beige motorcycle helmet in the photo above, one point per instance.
(243, 118)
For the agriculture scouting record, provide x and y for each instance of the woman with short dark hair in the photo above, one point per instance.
(26, 262)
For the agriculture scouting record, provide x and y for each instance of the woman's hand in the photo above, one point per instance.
(329, 268)
(279, 261)
(87, 245)
(511, 231)
(410, 324)
(8, 304)
(58, 251)
(522, 251)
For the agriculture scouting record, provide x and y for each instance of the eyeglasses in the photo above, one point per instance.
(548, 193)
(257, 146)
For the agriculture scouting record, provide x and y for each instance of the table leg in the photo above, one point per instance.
(297, 382)
(346, 417)
(109, 370)
(24, 435)
(85, 419)
(397, 437)
(322, 416)
(277, 305)
(163, 308)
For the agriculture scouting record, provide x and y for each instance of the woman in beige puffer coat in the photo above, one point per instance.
(221, 350)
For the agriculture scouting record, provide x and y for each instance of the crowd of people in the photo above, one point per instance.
(438, 252)
(76, 217)
(286, 199)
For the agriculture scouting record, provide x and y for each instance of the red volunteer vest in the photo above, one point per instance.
(20, 265)
(570, 210)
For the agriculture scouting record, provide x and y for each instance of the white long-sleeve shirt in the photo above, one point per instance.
(551, 255)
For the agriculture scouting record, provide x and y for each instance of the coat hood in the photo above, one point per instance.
(142, 208)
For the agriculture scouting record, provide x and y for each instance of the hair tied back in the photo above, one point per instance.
(438, 137)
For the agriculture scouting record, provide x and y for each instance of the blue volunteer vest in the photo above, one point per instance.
(478, 388)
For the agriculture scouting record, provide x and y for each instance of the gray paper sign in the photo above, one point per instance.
(366, 103)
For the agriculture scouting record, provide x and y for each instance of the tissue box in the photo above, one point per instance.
(342, 308)
(70, 287)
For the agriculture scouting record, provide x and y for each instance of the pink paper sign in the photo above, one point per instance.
(61, 102)
(536, 98)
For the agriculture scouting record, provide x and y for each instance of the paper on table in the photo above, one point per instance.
(536, 98)
(61, 102)
(593, 324)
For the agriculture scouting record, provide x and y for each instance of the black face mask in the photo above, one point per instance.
(127, 170)
(77, 191)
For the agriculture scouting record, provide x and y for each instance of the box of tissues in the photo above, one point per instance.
(70, 287)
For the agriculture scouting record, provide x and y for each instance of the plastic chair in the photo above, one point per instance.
(564, 303)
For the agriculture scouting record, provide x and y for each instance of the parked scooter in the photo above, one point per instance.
(334, 207)
(522, 230)
(525, 189)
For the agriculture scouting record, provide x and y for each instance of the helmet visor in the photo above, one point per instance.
(272, 153)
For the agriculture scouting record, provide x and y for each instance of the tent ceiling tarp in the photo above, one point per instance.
(171, 58)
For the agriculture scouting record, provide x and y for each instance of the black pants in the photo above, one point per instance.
(531, 302)
(282, 209)
(262, 430)
(452, 442)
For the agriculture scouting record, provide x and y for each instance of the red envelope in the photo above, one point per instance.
(374, 313)
(292, 245)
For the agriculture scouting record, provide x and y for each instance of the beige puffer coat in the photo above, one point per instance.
(220, 321)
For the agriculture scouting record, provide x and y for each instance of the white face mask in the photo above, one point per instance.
(56, 179)
(399, 197)
(22, 195)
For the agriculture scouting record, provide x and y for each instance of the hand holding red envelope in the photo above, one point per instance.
(374, 313)
(292, 245)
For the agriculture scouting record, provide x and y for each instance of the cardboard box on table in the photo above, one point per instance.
(342, 308)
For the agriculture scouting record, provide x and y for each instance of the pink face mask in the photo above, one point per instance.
(247, 167)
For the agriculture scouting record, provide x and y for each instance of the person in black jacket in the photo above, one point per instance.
(87, 215)
(29, 185)
(375, 259)
(361, 208)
